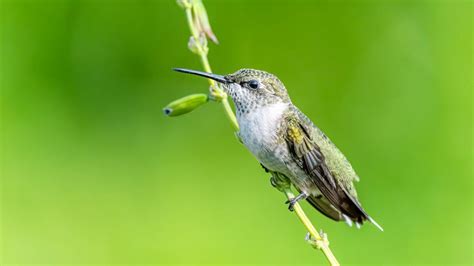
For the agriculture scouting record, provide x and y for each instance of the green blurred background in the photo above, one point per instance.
(92, 172)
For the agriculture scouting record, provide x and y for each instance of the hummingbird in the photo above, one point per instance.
(287, 143)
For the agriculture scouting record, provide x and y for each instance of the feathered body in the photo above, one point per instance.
(266, 132)
(286, 141)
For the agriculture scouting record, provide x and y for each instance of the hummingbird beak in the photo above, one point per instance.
(218, 78)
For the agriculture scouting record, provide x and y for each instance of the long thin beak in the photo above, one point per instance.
(218, 78)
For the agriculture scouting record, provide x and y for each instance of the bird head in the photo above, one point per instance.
(248, 88)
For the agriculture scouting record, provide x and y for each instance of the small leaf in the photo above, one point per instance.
(185, 105)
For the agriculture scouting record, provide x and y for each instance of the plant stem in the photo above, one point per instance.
(215, 91)
(201, 50)
(221, 96)
(323, 244)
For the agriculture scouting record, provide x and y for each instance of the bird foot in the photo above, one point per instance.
(291, 202)
(318, 243)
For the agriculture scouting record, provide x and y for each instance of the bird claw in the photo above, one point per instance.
(291, 202)
(318, 243)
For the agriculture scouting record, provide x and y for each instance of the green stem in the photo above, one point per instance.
(324, 246)
(221, 96)
(201, 51)
(230, 113)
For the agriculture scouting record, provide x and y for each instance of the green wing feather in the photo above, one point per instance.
(313, 160)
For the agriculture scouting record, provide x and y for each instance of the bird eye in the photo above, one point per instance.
(253, 84)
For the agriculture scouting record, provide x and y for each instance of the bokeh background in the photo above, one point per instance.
(92, 172)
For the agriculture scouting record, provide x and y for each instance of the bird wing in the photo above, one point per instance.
(307, 154)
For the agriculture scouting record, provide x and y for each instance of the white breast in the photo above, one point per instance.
(258, 131)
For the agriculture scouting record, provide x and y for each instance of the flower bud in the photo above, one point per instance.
(185, 105)
(203, 21)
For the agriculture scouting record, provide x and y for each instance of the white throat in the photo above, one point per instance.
(258, 128)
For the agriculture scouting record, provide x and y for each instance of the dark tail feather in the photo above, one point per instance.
(351, 207)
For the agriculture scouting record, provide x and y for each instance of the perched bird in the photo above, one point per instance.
(286, 142)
